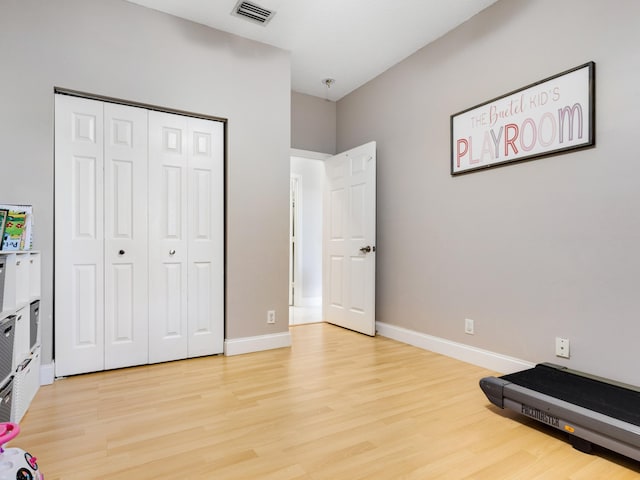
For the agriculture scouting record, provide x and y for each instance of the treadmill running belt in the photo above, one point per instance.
(605, 398)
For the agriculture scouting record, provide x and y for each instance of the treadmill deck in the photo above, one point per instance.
(592, 410)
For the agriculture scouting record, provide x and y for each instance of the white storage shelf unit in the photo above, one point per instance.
(19, 332)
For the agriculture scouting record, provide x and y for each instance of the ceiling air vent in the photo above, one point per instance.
(253, 12)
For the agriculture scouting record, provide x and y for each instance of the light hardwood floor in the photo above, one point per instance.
(337, 405)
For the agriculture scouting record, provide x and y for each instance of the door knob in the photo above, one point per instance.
(366, 249)
(172, 252)
(121, 252)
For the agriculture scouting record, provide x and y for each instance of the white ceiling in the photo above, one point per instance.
(351, 41)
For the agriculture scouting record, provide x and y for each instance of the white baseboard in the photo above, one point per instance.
(476, 356)
(47, 373)
(239, 346)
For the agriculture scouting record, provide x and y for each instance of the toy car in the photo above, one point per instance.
(15, 463)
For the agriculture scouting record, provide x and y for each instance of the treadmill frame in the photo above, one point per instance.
(584, 426)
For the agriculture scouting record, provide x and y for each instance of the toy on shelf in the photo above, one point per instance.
(15, 463)
(16, 233)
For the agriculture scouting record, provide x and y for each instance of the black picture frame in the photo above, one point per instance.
(549, 117)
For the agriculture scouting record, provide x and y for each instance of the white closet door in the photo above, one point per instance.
(125, 234)
(79, 274)
(139, 240)
(205, 237)
(168, 171)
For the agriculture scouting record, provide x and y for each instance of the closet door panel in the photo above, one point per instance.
(79, 237)
(126, 236)
(170, 322)
(168, 172)
(205, 226)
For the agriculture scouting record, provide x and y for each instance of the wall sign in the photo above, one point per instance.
(552, 116)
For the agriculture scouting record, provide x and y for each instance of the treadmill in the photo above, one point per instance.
(592, 410)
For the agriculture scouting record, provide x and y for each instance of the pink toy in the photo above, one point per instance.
(15, 463)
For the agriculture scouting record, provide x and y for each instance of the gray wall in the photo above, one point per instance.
(313, 123)
(530, 251)
(114, 48)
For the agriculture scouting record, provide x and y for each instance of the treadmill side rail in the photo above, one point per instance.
(526, 401)
(584, 426)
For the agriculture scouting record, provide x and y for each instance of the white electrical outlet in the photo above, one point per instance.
(562, 347)
(468, 326)
(271, 316)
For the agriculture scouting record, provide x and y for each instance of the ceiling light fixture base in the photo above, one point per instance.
(327, 82)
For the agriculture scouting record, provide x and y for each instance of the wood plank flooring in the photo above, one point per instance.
(337, 405)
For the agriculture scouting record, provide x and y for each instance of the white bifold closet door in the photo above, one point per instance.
(138, 236)
(126, 304)
(185, 244)
(79, 236)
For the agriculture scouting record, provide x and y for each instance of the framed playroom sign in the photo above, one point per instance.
(555, 115)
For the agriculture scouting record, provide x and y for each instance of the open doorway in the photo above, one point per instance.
(305, 237)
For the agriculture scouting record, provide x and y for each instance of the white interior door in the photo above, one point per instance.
(79, 238)
(168, 273)
(205, 148)
(125, 236)
(349, 239)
